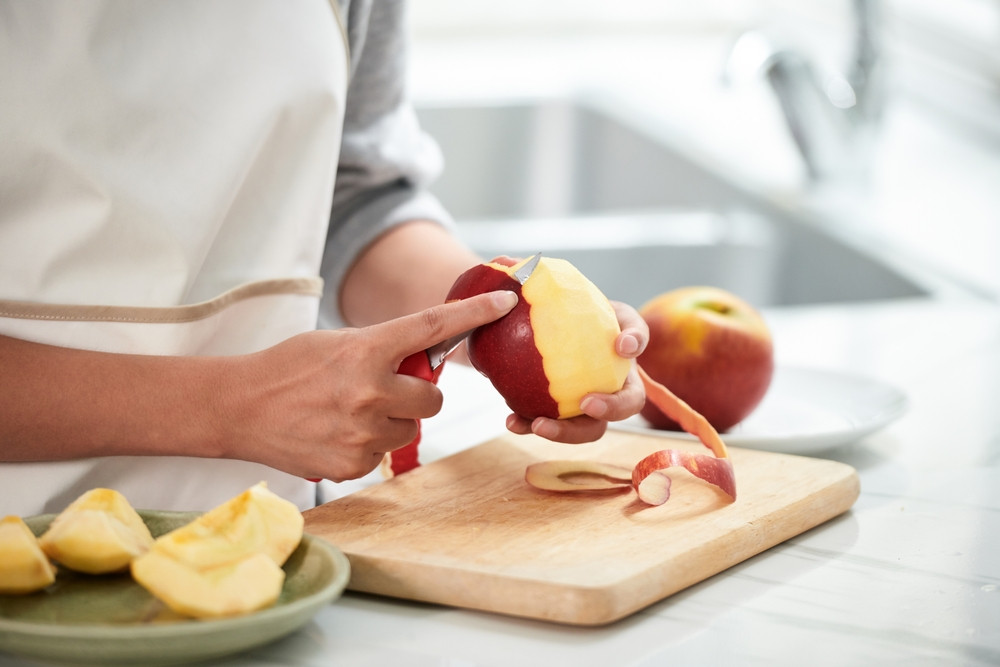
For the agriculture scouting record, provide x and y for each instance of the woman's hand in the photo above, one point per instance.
(329, 404)
(598, 409)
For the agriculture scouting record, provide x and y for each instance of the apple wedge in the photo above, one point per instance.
(24, 567)
(97, 533)
(226, 562)
(256, 520)
(232, 588)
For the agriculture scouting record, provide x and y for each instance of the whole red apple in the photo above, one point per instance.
(710, 348)
(556, 345)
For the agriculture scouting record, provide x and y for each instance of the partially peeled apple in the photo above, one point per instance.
(556, 346)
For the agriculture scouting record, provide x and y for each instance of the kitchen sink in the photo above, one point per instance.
(579, 180)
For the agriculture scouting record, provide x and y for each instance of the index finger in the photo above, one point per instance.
(419, 331)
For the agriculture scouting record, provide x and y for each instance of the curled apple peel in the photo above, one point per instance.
(650, 487)
(647, 477)
(717, 470)
(682, 413)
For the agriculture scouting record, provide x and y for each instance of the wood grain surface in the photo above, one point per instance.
(467, 531)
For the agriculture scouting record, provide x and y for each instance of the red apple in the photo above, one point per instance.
(556, 345)
(710, 348)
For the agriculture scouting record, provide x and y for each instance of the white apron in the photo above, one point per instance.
(166, 173)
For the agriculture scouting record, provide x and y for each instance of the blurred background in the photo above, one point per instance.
(799, 152)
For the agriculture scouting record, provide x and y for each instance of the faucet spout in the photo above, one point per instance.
(831, 118)
(865, 73)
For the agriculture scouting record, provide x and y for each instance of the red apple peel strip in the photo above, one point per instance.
(717, 471)
(407, 457)
(682, 413)
(402, 460)
(650, 487)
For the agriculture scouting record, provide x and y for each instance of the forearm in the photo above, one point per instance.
(409, 268)
(60, 403)
(325, 404)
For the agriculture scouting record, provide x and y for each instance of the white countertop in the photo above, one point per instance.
(911, 575)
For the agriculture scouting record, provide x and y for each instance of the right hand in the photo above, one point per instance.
(329, 404)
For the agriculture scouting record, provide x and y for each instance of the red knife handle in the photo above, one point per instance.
(407, 457)
(417, 365)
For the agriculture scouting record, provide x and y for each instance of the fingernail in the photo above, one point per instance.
(628, 344)
(594, 407)
(504, 299)
(544, 428)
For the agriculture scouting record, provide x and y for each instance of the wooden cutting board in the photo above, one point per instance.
(467, 531)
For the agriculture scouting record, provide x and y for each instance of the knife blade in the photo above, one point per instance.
(523, 273)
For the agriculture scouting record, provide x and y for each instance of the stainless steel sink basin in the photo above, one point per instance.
(634, 214)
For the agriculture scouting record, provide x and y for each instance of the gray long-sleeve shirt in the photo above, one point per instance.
(386, 161)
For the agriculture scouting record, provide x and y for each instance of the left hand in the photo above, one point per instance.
(598, 409)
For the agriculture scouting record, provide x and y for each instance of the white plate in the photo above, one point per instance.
(807, 410)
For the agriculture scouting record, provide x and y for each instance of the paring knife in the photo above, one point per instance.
(427, 365)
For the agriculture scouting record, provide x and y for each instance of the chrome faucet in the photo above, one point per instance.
(832, 119)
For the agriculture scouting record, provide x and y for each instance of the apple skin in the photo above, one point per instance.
(710, 348)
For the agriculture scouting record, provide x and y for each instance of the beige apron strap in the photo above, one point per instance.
(29, 310)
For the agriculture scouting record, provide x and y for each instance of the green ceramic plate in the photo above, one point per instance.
(108, 619)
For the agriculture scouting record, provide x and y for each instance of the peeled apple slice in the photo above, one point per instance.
(97, 533)
(24, 567)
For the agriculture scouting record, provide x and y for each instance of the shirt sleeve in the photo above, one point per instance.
(386, 160)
